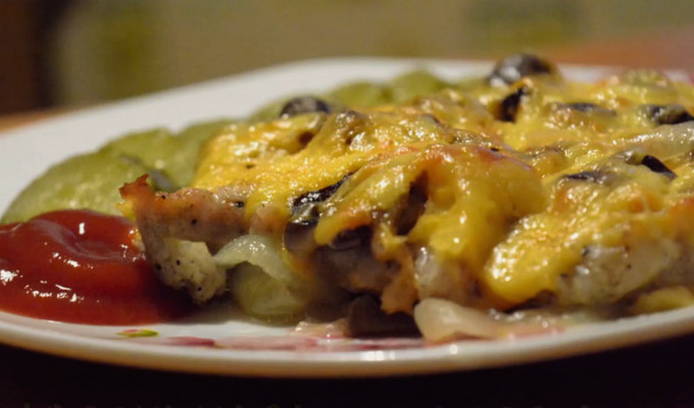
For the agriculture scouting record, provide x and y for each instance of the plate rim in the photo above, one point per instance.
(297, 364)
(448, 357)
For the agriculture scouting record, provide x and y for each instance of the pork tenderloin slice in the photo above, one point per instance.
(178, 229)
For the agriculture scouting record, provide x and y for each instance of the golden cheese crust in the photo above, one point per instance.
(510, 191)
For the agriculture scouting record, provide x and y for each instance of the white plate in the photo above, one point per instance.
(220, 342)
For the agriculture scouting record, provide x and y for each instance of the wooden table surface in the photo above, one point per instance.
(655, 375)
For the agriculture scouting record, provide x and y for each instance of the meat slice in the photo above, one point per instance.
(179, 229)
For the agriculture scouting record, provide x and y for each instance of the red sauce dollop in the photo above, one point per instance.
(81, 267)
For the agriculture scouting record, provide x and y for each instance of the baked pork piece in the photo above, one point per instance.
(521, 191)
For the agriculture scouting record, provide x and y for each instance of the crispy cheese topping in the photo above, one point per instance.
(484, 193)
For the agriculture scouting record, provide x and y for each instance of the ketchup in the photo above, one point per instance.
(81, 267)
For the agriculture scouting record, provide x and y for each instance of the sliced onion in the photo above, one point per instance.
(261, 282)
(263, 297)
(667, 139)
(259, 251)
(442, 320)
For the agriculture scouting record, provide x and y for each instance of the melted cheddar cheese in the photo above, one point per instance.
(541, 186)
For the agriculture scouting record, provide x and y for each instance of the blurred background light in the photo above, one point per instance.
(72, 52)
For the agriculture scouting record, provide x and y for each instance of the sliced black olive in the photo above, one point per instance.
(305, 138)
(671, 114)
(306, 221)
(594, 176)
(414, 207)
(352, 239)
(306, 216)
(586, 107)
(305, 212)
(508, 109)
(304, 104)
(656, 166)
(512, 68)
(318, 195)
(366, 319)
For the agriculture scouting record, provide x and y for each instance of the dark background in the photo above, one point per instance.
(81, 52)
(656, 375)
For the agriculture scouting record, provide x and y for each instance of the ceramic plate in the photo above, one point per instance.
(219, 340)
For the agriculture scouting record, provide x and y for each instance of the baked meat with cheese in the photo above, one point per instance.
(521, 190)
